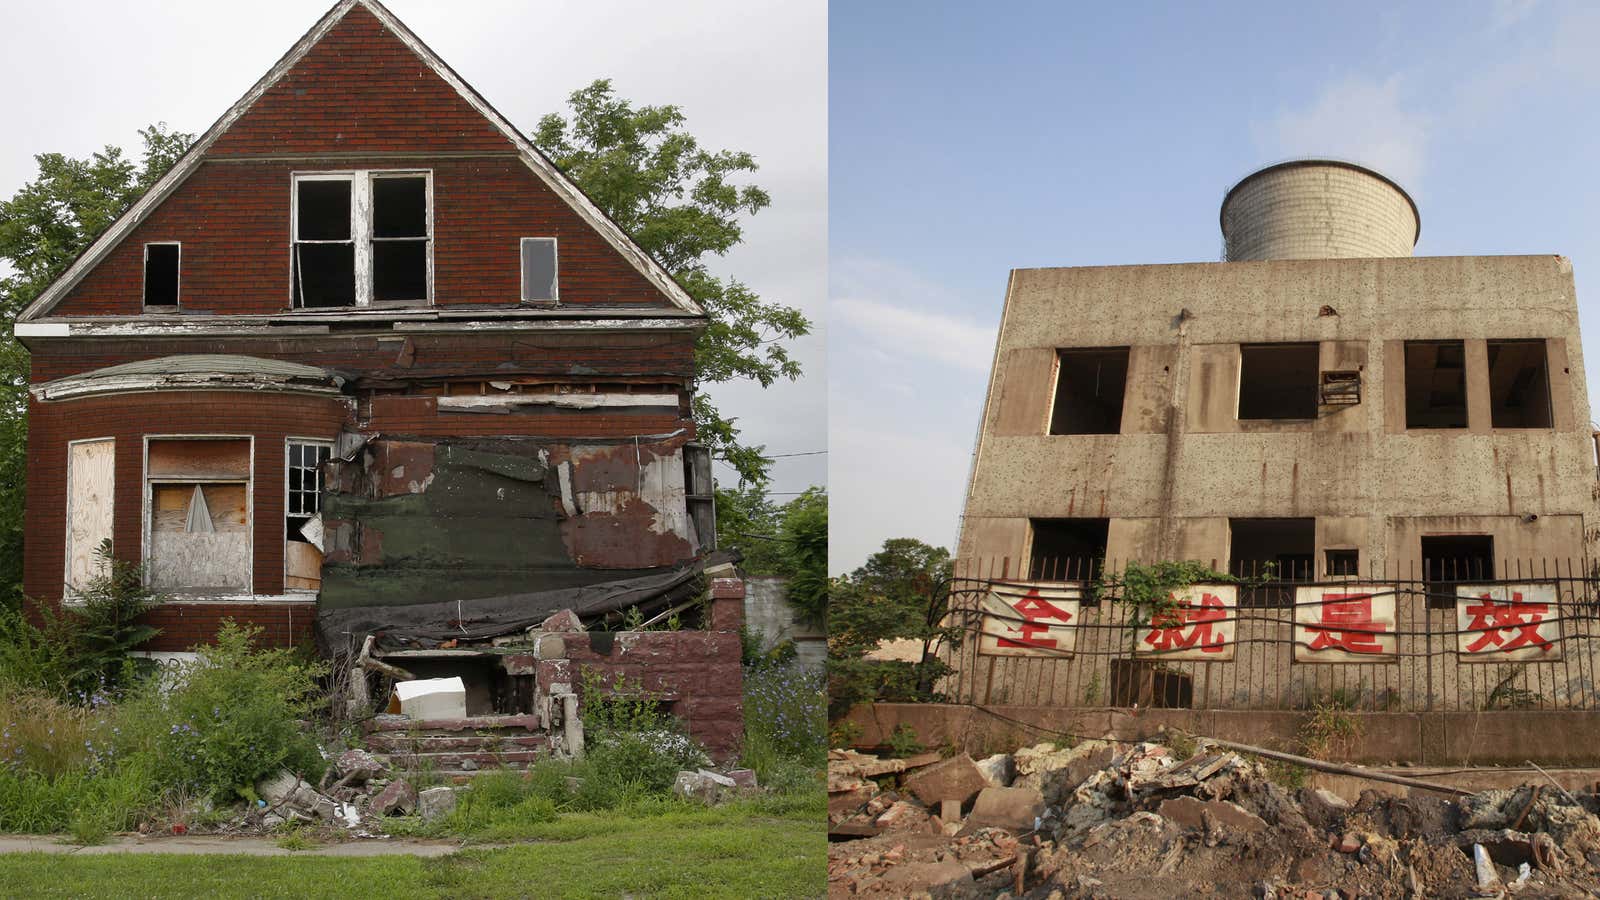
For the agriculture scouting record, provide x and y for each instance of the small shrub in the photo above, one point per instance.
(234, 716)
(44, 735)
(1330, 729)
(904, 741)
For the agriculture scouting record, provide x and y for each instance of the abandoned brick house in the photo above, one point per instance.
(365, 350)
(1319, 406)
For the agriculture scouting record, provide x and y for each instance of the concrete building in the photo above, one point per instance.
(1322, 404)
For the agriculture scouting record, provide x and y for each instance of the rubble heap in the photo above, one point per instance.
(1103, 819)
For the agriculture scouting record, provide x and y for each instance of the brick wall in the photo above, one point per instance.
(360, 90)
(233, 222)
(698, 670)
(184, 625)
(270, 418)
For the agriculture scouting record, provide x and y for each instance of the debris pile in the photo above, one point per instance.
(1103, 819)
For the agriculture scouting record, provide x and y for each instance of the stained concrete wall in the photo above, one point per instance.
(767, 610)
(1184, 463)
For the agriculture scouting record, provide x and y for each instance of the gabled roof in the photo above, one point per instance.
(541, 165)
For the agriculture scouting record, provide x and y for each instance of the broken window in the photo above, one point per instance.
(161, 274)
(1451, 559)
(1278, 381)
(1519, 385)
(198, 502)
(362, 238)
(1343, 563)
(1436, 384)
(302, 549)
(1089, 388)
(539, 282)
(700, 494)
(1067, 549)
(1275, 553)
(90, 490)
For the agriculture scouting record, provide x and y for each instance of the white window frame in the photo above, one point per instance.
(147, 498)
(555, 275)
(287, 442)
(144, 279)
(361, 229)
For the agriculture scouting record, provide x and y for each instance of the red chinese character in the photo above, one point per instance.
(1035, 608)
(1345, 622)
(1189, 626)
(1493, 619)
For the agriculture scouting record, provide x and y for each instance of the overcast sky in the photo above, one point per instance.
(971, 139)
(749, 75)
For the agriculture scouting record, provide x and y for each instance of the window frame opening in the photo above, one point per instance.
(1076, 545)
(176, 277)
(1341, 562)
(1288, 544)
(1454, 559)
(1102, 413)
(366, 246)
(1425, 410)
(1285, 384)
(1522, 400)
(298, 561)
(555, 270)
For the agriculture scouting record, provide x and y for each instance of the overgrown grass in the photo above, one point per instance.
(785, 719)
(731, 851)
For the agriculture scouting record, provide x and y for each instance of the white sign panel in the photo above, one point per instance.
(1347, 623)
(1200, 626)
(1508, 623)
(1030, 620)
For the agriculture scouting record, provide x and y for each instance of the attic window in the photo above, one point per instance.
(362, 238)
(539, 283)
(161, 274)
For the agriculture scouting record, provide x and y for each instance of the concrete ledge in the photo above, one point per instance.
(1503, 737)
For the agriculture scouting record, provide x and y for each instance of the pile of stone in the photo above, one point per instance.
(1106, 819)
(356, 793)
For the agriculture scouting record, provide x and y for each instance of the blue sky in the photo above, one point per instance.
(966, 140)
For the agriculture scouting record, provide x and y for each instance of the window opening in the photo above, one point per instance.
(1448, 560)
(1343, 563)
(1067, 549)
(539, 263)
(1089, 389)
(161, 274)
(399, 238)
(1278, 381)
(1278, 552)
(362, 238)
(303, 515)
(1519, 385)
(1436, 384)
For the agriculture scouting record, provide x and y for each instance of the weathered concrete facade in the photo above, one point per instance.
(1183, 463)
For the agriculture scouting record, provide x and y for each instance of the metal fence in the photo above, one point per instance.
(1524, 638)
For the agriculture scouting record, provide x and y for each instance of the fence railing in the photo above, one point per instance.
(1456, 636)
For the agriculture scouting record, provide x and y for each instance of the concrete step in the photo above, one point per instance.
(435, 742)
(452, 761)
(403, 724)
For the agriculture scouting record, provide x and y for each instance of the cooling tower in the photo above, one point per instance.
(1317, 209)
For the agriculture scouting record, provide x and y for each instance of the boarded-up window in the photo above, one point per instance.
(90, 481)
(199, 515)
(302, 550)
(539, 270)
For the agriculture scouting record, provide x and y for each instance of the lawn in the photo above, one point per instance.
(740, 850)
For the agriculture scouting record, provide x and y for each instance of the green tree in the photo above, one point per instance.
(804, 549)
(43, 228)
(682, 204)
(902, 591)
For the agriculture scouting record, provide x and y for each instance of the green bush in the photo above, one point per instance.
(233, 716)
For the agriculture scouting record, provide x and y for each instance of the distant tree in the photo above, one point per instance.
(43, 228)
(748, 520)
(804, 550)
(680, 203)
(902, 591)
